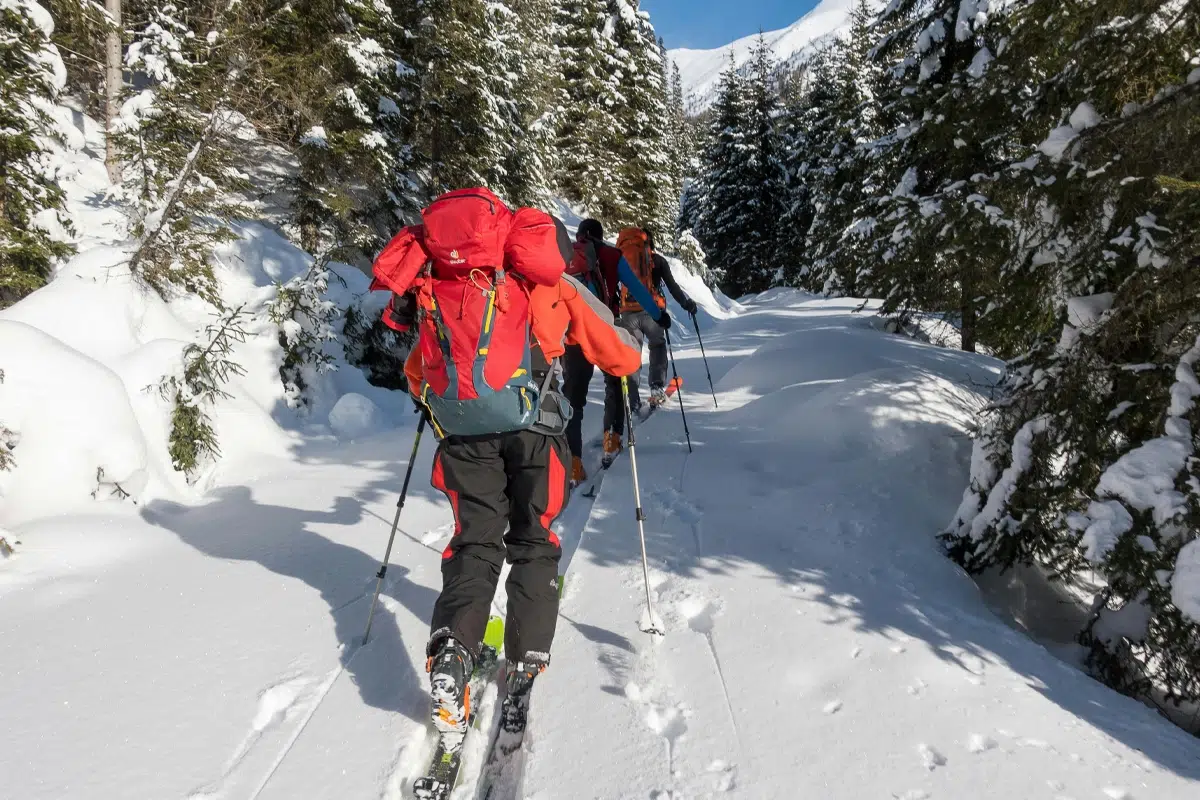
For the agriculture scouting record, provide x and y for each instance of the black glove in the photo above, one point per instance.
(690, 307)
(664, 321)
(403, 311)
(418, 405)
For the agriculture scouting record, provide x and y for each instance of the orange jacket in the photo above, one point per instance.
(566, 314)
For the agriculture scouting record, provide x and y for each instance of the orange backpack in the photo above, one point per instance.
(634, 244)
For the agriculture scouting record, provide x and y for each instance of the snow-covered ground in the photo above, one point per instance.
(207, 645)
(701, 70)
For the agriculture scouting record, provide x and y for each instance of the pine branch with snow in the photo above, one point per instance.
(204, 373)
(7, 441)
(376, 349)
(692, 256)
(305, 317)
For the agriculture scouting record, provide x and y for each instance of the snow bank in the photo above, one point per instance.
(84, 357)
(712, 303)
(72, 445)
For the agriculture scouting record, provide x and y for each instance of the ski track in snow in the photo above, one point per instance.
(281, 703)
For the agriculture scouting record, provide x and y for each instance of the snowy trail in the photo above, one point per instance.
(818, 645)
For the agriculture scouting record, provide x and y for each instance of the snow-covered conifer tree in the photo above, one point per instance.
(588, 140)
(33, 76)
(183, 143)
(725, 223)
(649, 194)
(1086, 466)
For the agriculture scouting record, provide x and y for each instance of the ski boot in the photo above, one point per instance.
(578, 473)
(658, 397)
(449, 674)
(612, 447)
(514, 713)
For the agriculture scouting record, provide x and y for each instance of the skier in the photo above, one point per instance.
(483, 372)
(648, 321)
(604, 270)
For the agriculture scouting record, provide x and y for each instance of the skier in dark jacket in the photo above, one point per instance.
(603, 269)
(636, 317)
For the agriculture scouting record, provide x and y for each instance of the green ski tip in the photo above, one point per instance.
(493, 635)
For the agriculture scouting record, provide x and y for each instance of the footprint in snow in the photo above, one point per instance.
(276, 701)
(832, 707)
(726, 775)
(978, 743)
(667, 721)
(1117, 793)
(930, 757)
(275, 704)
(699, 613)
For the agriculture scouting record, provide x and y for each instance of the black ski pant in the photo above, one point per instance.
(577, 377)
(505, 489)
(644, 329)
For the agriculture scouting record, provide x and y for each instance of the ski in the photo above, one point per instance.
(445, 766)
(498, 768)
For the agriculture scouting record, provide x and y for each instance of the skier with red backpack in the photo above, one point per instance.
(647, 320)
(486, 288)
(605, 271)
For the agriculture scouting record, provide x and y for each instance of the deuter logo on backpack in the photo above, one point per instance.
(472, 264)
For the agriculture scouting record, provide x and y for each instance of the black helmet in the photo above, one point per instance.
(590, 229)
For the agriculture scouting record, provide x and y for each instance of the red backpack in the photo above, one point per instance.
(472, 263)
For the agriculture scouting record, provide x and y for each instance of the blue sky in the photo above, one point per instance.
(712, 23)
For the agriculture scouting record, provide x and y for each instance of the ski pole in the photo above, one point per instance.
(700, 338)
(651, 620)
(412, 459)
(678, 391)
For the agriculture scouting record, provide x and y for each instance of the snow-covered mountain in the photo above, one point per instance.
(701, 69)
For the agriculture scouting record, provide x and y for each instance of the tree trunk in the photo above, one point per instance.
(967, 309)
(112, 80)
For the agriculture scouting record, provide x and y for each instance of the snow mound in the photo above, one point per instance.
(86, 354)
(70, 443)
(711, 302)
(354, 416)
(701, 70)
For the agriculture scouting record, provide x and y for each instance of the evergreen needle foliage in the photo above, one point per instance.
(205, 371)
(7, 441)
(32, 78)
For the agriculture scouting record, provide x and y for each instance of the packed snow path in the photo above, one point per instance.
(818, 646)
